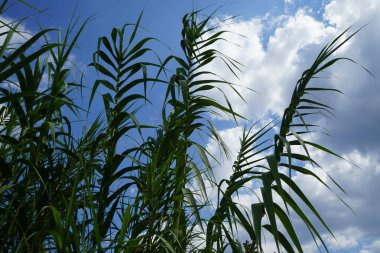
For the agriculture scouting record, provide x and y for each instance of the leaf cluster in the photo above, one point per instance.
(125, 186)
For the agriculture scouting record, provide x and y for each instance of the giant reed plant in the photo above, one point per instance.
(38, 163)
(101, 191)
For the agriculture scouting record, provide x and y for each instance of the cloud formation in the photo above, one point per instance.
(272, 67)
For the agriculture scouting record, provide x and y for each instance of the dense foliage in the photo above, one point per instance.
(120, 185)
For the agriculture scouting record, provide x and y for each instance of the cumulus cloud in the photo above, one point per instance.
(344, 13)
(361, 184)
(357, 111)
(273, 65)
(271, 69)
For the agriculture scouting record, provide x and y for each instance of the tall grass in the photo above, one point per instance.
(103, 191)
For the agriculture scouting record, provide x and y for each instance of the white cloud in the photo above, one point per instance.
(344, 13)
(272, 69)
(20, 36)
(361, 185)
(347, 239)
(356, 111)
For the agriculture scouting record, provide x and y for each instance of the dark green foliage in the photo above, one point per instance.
(104, 191)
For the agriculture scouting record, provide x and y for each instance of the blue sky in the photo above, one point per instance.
(282, 37)
(160, 18)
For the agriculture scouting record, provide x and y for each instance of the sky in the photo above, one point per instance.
(281, 39)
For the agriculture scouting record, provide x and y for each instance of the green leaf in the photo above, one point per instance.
(257, 214)
(288, 226)
(192, 203)
(304, 199)
(199, 179)
(128, 99)
(124, 226)
(302, 215)
(266, 192)
(8, 72)
(167, 244)
(282, 239)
